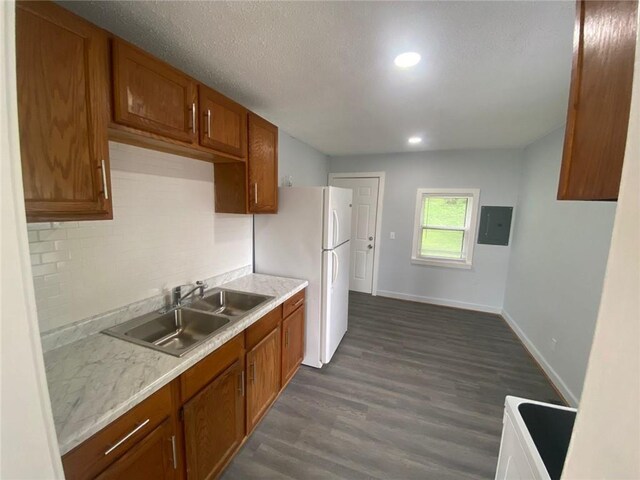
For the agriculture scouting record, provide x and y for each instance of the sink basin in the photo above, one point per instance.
(229, 303)
(180, 330)
(175, 332)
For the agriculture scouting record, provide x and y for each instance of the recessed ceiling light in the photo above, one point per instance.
(415, 140)
(407, 59)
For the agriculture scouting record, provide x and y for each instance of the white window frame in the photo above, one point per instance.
(469, 229)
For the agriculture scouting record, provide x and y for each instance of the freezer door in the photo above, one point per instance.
(335, 299)
(337, 216)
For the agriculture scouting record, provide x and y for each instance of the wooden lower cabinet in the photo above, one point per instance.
(152, 458)
(214, 423)
(263, 377)
(292, 344)
(192, 428)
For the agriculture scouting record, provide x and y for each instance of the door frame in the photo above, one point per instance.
(376, 255)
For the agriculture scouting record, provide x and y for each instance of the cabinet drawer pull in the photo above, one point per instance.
(126, 437)
(241, 384)
(255, 193)
(193, 117)
(173, 452)
(105, 190)
(295, 305)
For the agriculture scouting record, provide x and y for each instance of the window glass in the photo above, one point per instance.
(442, 243)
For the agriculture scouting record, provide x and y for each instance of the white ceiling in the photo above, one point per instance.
(493, 74)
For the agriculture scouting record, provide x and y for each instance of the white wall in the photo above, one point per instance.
(558, 259)
(495, 172)
(606, 437)
(28, 446)
(164, 233)
(306, 165)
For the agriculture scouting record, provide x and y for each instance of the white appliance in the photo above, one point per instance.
(309, 238)
(520, 457)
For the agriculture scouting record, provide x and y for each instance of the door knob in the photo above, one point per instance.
(369, 247)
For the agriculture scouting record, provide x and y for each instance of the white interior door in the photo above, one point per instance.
(363, 229)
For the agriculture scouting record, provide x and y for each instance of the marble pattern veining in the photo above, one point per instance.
(96, 379)
(76, 331)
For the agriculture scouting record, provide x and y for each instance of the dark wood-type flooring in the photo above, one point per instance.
(414, 391)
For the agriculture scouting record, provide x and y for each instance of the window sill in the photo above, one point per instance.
(432, 262)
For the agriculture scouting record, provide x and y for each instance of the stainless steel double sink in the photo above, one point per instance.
(183, 328)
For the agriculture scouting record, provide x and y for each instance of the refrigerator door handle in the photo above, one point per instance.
(336, 228)
(335, 267)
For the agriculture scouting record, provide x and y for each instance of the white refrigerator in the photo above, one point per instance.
(309, 238)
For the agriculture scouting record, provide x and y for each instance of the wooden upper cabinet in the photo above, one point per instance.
(262, 166)
(63, 111)
(599, 100)
(152, 96)
(292, 344)
(150, 459)
(263, 377)
(214, 423)
(223, 123)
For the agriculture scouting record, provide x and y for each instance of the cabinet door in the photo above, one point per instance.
(152, 96)
(223, 123)
(263, 374)
(263, 165)
(62, 72)
(599, 100)
(292, 344)
(214, 423)
(152, 458)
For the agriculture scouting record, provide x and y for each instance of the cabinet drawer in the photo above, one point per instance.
(194, 379)
(262, 327)
(110, 443)
(291, 304)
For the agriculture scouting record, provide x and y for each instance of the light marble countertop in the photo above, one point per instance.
(95, 380)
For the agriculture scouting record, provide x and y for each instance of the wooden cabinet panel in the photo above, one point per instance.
(62, 79)
(89, 458)
(262, 327)
(203, 372)
(599, 100)
(292, 344)
(151, 95)
(262, 165)
(152, 458)
(291, 304)
(214, 423)
(224, 123)
(263, 377)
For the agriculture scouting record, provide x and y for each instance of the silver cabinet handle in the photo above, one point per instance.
(193, 117)
(295, 305)
(126, 437)
(105, 190)
(253, 372)
(241, 384)
(173, 450)
(255, 193)
(209, 123)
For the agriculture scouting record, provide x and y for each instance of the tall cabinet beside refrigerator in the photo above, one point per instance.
(309, 238)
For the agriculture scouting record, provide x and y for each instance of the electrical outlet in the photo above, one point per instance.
(392, 235)
(554, 342)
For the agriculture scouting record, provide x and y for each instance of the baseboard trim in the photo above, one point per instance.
(440, 301)
(563, 390)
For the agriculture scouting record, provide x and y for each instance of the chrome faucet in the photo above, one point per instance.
(177, 297)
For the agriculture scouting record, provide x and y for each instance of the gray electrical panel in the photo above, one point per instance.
(495, 225)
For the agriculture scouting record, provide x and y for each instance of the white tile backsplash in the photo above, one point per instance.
(164, 233)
